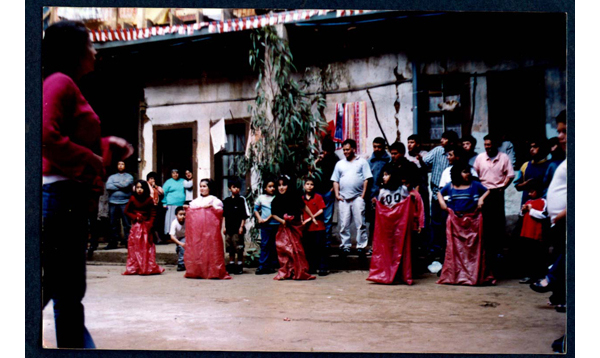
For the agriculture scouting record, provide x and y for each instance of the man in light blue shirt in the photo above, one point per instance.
(119, 187)
(350, 182)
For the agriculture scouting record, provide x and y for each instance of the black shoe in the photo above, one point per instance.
(323, 273)
(345, 252)
(239, 269)
(558, 346)
(111, 246)
(537, 287)
(181, 267)
(261, 271)
(370, 252)
(361, 253)
(230, 268)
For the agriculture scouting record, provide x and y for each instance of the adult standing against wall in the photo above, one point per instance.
(188, 185)
(377, 161)
(495, 170)
(119, 187)
(174, 197)
(437, 160)
(74, 157)
(327, 162)
(350, 182)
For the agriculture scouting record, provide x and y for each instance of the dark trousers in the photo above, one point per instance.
(268, 254)
(532, 255)
(315, 249)
(64, 241)
(557, 273)
(437, 233)
(329, 199)
(117, 213)
(494, 225)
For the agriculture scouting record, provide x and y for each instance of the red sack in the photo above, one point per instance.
(465, 258)
(141, 252)
(204, 255)
(292, 260)
(391, 243)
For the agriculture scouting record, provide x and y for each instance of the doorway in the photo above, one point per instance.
(175, 148)
(516, 105)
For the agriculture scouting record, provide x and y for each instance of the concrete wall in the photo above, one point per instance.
(177, 102)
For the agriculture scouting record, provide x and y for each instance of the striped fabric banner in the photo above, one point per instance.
(351, 123)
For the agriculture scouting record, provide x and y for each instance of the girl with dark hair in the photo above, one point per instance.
(204, 251)
(287, 208)
(141, 252)
(74, 158)
(464, 263)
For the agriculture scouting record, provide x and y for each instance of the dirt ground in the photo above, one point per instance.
(341, 312)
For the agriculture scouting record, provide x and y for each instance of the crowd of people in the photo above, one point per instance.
(412, 210)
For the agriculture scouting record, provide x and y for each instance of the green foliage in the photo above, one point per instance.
(286, 123)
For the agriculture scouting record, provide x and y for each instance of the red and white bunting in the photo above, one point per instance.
(251, 22)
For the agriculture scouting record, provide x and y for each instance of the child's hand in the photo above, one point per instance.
(305, 221)
(479, 204)
(419, 230)
(182, 244)
(315, 221)
(224, 231)
(261, 221)
(241, 231)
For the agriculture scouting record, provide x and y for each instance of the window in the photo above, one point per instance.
(443, 104)
(225, 160)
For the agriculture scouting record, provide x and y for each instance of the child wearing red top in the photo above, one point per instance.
(313, 240)
(534, 215)
(141, 252)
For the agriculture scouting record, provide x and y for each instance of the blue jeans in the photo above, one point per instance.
(64, 241)
(329, 199)
(268, 253)
(180, 250)
(117, 212)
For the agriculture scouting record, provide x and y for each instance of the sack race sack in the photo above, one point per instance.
(204, 255)
(141, 252)
(391, 258)
(292, 260)
(464, 263)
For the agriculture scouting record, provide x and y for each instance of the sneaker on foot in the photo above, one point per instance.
(239, 269)
(180, 267)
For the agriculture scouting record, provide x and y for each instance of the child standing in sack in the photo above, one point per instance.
(141, 252)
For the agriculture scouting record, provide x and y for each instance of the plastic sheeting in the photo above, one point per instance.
(465, 257)
(204, 254)
(391, 260)
(292, 260)
(141, 252)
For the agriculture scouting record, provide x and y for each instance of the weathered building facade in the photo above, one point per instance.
(506, 71)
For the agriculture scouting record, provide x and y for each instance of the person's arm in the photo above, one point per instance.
(312, 217)
(428, 160)
(241, 231)
(126, 182)
(365, 187)
(443, 205)
(111, 185)
(278, 219)
(336, 190)
(182, 244)
(258, 218)
(129, 212)
(510, 175)
(538, 214)
(160, 190)
(224, 227)
(481, 200)
(561, 216)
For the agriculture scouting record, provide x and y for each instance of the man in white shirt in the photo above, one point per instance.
(350, 181)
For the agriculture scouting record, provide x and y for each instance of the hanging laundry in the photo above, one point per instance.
(351, 123)
(218, 136)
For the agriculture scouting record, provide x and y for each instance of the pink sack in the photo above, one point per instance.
(141, 252)
(292, 260)
(204, 255)
(464, 263)
(391, 258)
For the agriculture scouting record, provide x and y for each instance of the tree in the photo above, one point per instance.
(285, 130)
